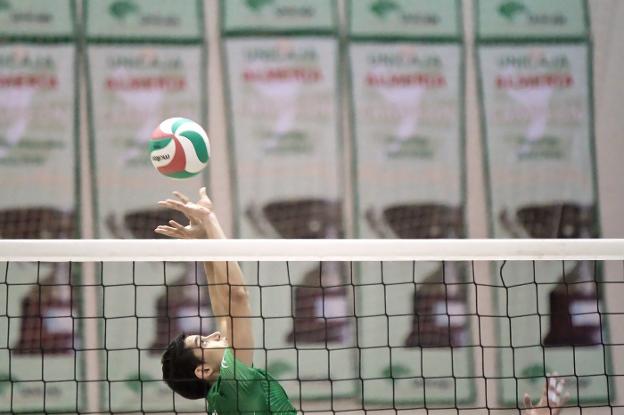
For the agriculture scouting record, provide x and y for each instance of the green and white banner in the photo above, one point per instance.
(537, 114)
(38, 129)
(409, 170)
(536, 102)
(124, 20)
(513, 20)
(408, 133)
(38, 166)
(132, 89)
(284, 119)
(413, 19)
(37, 18)
(286, 156)
(408, 141)
(537, 118)
(272, 16)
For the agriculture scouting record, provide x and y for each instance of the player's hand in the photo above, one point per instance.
(196, 212)
(553, 398)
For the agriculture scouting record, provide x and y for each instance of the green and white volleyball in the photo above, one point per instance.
(179, 148)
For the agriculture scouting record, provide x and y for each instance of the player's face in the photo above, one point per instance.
(208, 349)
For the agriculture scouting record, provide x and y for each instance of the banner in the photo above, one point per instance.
(286, 157)
(161, 20)
(409, 170)
(512, 20)
(409, 19)
(272, 16)
(132, 89)
(37, 18)
(38, 165)
(408, 141)
(541, 181)
(537, 116)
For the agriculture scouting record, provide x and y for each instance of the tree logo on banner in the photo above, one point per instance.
(383, 7)
(258, 5)
(123, 8)
(513, 9)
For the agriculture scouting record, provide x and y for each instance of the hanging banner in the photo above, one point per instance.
(38, 164)
(409, 173)
(133, 88)
(537, 118)
(408, 141)
(288, 179)
(273, 16)
(537, 115)
(412, 19)
(124, 20)
(536, 102)
(37, 18)
(532, 19)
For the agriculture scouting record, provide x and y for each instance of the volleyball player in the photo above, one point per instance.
(219, 367)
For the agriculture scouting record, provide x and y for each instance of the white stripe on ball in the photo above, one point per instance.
(167, 125)
(193, 164)
(163, 157)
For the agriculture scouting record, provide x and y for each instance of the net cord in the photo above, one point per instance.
(114, 250)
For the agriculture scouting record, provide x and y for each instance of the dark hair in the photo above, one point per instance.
(178, 368)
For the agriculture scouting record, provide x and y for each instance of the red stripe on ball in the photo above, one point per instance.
(179, 160)
(159, 134)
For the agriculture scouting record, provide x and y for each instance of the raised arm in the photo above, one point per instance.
(229, 297)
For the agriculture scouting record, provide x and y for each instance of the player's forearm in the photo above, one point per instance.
(225, 279)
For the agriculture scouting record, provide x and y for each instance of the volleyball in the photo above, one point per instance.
(179, 148)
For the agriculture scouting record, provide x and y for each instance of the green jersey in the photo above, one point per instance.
(241, 389)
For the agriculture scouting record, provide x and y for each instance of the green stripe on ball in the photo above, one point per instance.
(198, 143)
(178, 123)
(181, 175)
(159, 144)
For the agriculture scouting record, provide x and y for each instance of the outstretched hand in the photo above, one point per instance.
(196, 212)
(553, 398)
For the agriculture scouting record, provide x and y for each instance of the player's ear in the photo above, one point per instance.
(203, 372)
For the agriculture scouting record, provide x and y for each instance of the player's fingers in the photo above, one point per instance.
(172, 204)
(165, 230)
(182, 197)
(555, 388)
(527, 401)
(543, 401)
(175, 224)
(203, 194)
(565, 399)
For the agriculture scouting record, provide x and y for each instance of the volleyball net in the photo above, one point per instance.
(344, 325)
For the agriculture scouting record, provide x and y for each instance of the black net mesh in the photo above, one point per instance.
(457, 336)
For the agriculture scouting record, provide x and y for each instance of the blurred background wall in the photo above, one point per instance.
(607, 27)
(118, 190)
(606, 36)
